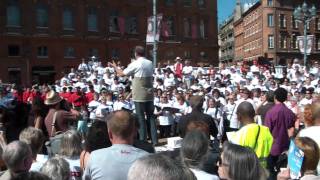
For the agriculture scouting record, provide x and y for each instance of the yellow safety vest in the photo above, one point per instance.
(258, 140)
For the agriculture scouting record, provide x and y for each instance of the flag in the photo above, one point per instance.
(122, 25)
(165, 29)
(310, 39)
(194, 31)
(150, 37)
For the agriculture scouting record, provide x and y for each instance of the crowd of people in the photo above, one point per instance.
(236, 122)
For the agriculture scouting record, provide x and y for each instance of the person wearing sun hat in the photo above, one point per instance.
(62, 117)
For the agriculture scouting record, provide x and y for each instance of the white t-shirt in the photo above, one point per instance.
(141, 67)
(92, 106)
(202, 175)
(187, 69)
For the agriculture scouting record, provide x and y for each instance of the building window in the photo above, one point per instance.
(92, 19)
(283, 21)
(270, 20)
(187, 27)
(187, 3)
(270, 2)
(42, 15)
(201, 3)
(295, 23)
(113, 22)
(67, 20)
(170, 24)
(93, 52)
(295, 43)
(318, 44)
(42, 51)
(283, 42)
(169, 2)
(13, 14)
(202, 29)
(69, 52)
(318, 24)
(115, 53)
(132, 25)
(270, 41)
(13, 50)
(187, 54)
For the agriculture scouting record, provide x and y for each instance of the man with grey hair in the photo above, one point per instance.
(159, 167)
(18, 158)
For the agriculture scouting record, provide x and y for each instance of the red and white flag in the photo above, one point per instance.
(194, 31)
(165, 29)
(122, 25)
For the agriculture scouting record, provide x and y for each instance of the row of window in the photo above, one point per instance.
(252, 17)
(253, 45)
(116, 22)
(69, 52)
(283, 42)
(252, 30)
(294, 22)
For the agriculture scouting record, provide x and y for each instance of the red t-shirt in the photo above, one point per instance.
(78, 100)
(89, 96)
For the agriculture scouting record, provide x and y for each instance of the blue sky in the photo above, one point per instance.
(225, 9)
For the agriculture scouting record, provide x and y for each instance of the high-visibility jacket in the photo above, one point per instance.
(255, 136)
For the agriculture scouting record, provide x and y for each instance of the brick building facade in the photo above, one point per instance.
(268, 31)
(41, 38)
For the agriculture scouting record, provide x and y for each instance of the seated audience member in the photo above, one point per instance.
(70, 150)
(56, 168)
(18, 158)
(114, 162)
(257, 137)
(310, 160)
(196, 103)
(96, 138)
(35, 139)
(313, 130)
(194, 151)
(32, 175)
(159, 167)
(240, 163)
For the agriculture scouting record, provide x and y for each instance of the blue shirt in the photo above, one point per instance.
(112, 163)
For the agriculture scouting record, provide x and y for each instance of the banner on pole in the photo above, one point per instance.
(310, 39)
(150, 37)
(122, 25)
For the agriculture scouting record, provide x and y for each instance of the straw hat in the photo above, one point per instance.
(52, 98)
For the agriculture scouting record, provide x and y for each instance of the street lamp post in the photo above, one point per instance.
(155, 33)
(305, 15)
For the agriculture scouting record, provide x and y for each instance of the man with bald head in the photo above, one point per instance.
(18, 158)
(252, 135)
(114, 162)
